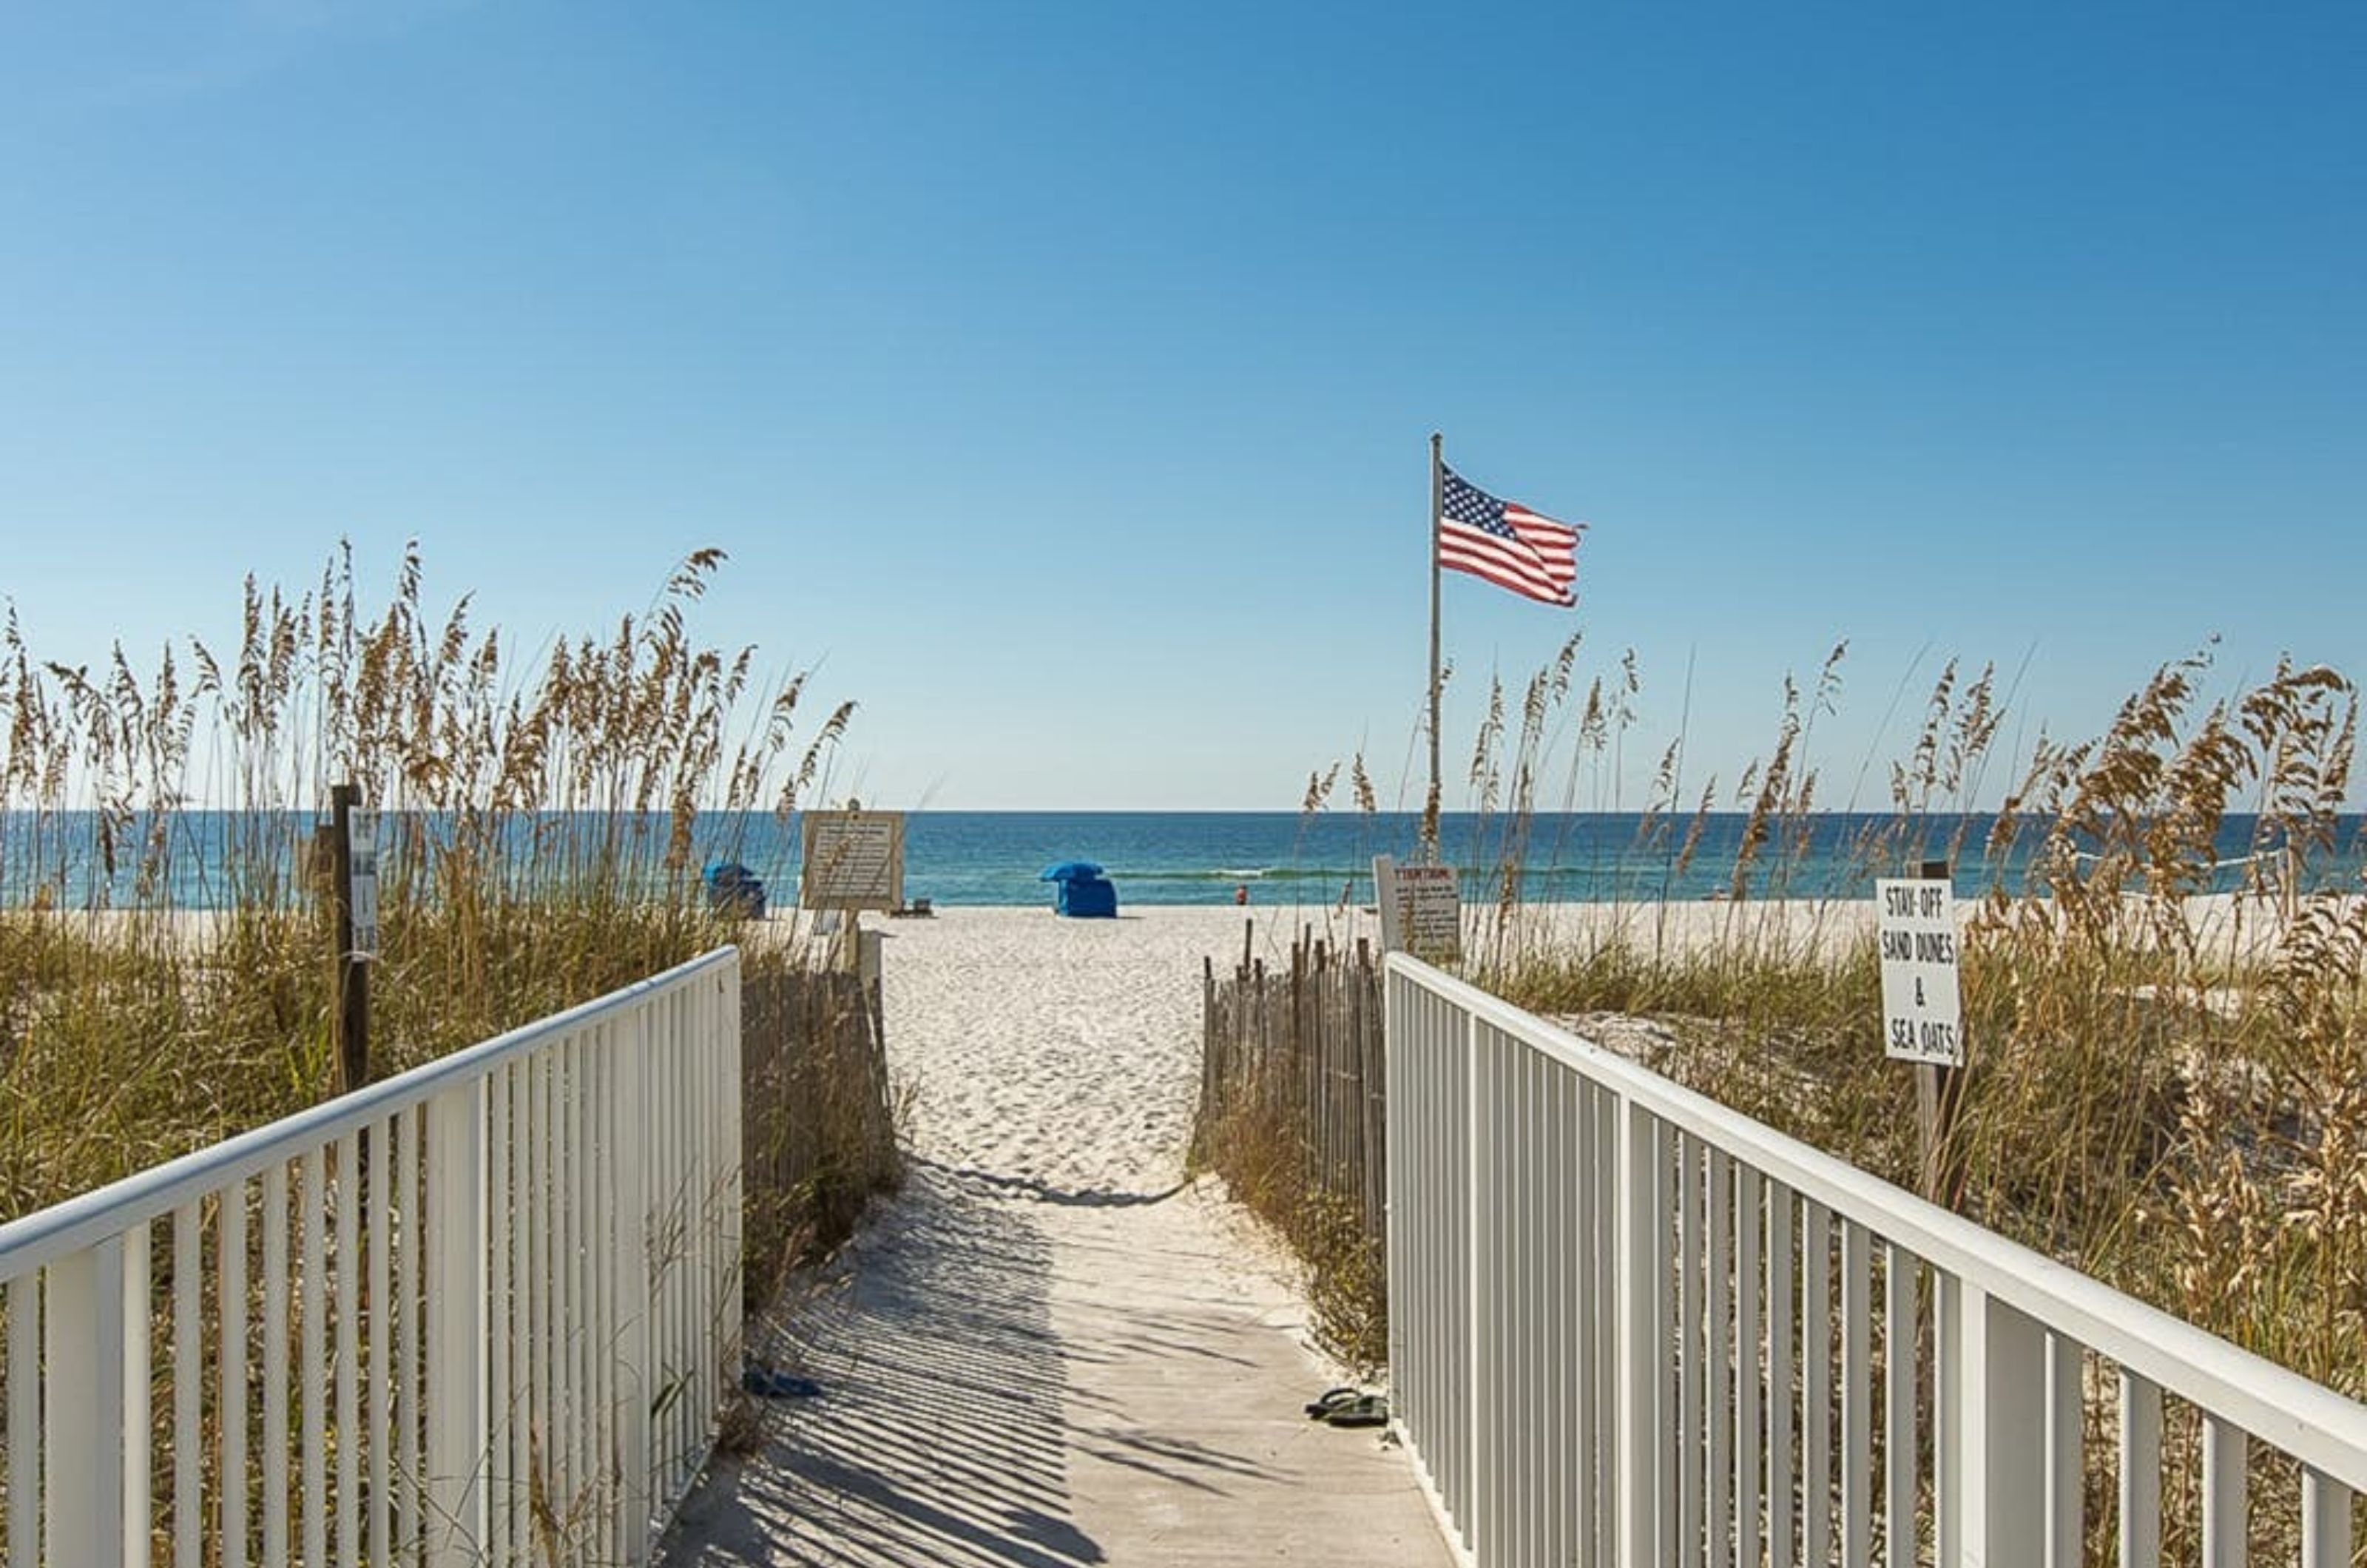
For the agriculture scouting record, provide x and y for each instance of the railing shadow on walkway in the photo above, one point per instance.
(937, 1437)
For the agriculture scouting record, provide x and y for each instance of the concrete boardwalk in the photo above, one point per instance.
(1021, 1368)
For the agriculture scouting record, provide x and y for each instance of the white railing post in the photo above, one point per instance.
(2226, 1451)
(2140, 1504)
(1640, 1350)
(736, 1214)
(138, 1379)
(2066, 1474)
(1395, 1092)
(458, 1433)
(2325, 1522)
(1999, 1418)
(633, 1334)
(1477, 1296)
(83, 1447)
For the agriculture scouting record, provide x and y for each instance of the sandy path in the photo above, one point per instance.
(1047, 1350)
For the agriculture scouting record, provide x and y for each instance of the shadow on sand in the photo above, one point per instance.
(1044, 1193)
(938, 1436)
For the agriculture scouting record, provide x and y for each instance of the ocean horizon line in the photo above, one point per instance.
(957, 857)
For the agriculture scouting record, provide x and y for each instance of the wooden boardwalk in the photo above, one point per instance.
(990, 1397)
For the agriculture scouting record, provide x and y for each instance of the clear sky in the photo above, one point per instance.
(1059, 376)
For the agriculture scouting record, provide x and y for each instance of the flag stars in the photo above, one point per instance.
(1505, 543)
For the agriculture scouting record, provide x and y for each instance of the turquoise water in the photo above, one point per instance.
(1154, 857)
(1286, 858)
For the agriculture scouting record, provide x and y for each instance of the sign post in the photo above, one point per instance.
(1384, 900)
(353, 848)
(1922, 1012)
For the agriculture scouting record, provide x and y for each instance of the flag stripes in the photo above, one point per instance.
(1506, 542)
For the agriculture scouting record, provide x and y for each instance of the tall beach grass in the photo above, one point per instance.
(2164, 1088)
(542, 842)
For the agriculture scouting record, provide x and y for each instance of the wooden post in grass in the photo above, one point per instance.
(1938, 1091)
(353, 971)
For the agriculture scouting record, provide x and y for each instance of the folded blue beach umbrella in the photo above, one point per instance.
(1070, 870)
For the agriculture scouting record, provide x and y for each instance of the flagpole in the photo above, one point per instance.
(1430, 805)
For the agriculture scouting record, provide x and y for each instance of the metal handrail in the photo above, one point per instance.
(42, 1238)
(519, 1267)
(2305, 1419)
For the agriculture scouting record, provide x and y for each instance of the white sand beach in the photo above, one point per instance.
(1059, 1053)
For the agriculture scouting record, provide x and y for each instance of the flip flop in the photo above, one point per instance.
(1364, 1410)
(1332, 1399)
(770, 1383)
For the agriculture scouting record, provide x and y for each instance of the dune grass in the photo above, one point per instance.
(166, 976)
(2165, 1090)
(2162, 1090)
(167, 961)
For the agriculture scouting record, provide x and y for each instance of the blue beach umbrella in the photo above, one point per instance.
(1070, 870)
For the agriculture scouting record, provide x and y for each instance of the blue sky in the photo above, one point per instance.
(1059, 376)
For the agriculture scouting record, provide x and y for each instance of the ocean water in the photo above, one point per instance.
(1290, 859)
(1154, 857)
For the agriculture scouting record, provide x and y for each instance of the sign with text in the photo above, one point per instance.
(1420, 908)
(361, 851)
(1921, 1018)
(853, 860)
(1430, 911)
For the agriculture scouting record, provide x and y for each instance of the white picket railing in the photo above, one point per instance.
(481, 1313)
(1628, 1325)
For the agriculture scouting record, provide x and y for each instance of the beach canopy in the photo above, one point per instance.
(1070, 870)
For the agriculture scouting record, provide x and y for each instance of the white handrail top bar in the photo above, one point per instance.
(52, 1232)
(2307, 1420)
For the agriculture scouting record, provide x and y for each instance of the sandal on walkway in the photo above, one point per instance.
(1364, 1410)
(770, 1383)
(1332, 1399)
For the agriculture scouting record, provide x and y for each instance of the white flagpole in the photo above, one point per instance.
(1430, 803)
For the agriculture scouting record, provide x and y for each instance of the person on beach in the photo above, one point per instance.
(1241, 891)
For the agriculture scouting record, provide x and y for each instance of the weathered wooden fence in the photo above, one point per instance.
(1296, 1057)
(818, 1123)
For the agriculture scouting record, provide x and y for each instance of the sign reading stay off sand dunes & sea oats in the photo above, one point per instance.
(1921, 1018)
(361, 840)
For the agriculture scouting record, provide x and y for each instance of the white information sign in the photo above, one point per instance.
(1420, 908)
(361, 849)
(853, 860)
(1922, 1020)
(1430, 908)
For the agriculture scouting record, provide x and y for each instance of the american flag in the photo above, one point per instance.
(1506, 542)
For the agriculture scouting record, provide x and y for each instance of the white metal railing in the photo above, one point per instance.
(481, 1313)
(1628, 1325)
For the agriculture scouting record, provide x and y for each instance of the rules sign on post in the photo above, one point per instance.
(1420, 908)
(1430, 912)
(361, 846)
(853, 860)
(1922, 1018)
